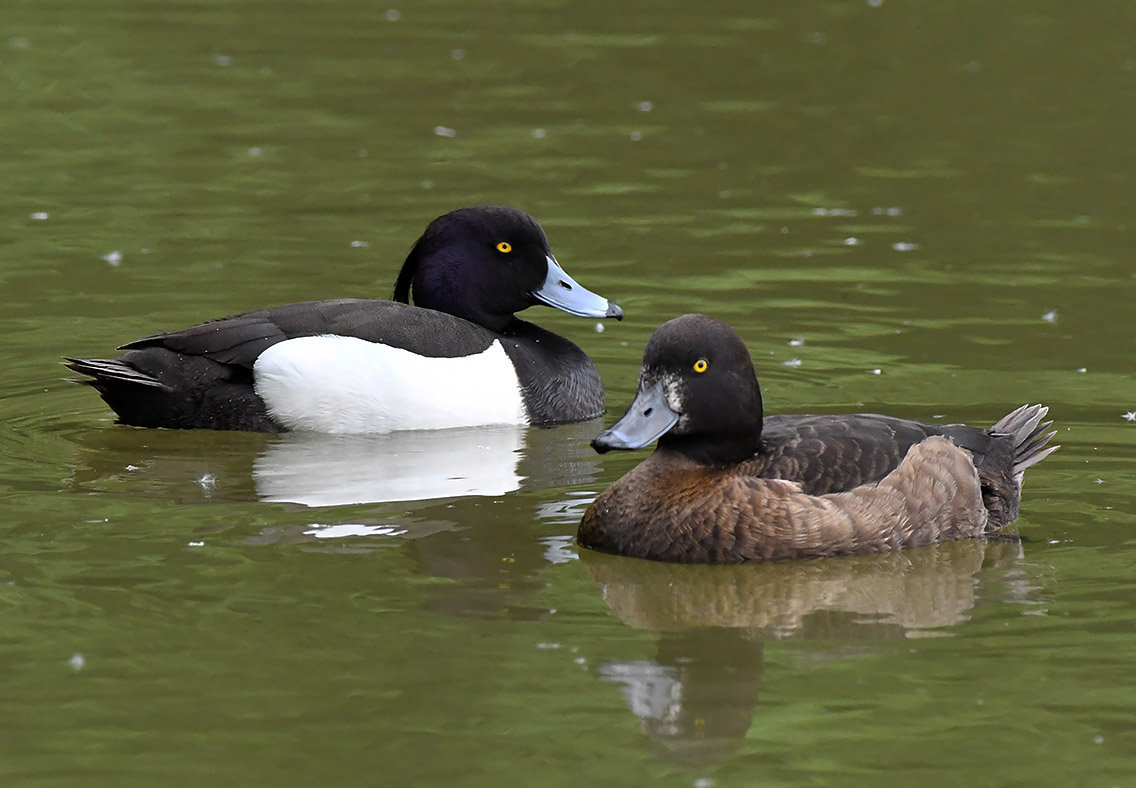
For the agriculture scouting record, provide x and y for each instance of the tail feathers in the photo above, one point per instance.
(110, 370)
(1028, 431)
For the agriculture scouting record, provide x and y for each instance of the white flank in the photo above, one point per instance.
(348, 385)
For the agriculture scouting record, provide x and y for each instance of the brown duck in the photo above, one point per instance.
(726, 485)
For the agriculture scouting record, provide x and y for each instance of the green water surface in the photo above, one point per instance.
(919, 208)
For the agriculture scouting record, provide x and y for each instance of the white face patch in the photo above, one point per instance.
(348, 385)
(672, 392)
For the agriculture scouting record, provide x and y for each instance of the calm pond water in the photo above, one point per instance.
(912, 207)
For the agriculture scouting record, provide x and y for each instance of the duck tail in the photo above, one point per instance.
(109, 371)
(1018, 441)
(1025, 426)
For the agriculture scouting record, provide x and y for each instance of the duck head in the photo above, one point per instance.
(698, 395)
(487, 263)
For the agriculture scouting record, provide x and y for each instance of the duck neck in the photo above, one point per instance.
(720, 450)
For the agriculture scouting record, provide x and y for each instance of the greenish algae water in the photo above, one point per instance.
(922, 209)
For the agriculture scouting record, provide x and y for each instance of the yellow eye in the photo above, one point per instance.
(701, 365)
(504, 247)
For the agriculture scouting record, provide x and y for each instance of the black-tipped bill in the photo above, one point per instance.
(647, 420)
(562, 291)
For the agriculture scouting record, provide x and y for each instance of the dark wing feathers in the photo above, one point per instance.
(241, 338)
(832, 453)
(231, 340)
(828, 454)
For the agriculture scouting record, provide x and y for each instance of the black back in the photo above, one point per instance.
(240, 339)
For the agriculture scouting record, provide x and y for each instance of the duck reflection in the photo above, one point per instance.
(315, 469)
(319, 470)
(697, 698)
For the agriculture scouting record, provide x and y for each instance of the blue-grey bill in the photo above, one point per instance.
(563, 292)
(647, 420)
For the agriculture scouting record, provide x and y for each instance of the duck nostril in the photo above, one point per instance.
(565, 285)
(648, 411)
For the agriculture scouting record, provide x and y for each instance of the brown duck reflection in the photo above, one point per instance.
(697, 698)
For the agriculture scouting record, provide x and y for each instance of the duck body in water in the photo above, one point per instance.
(458, 357)
(726, 485)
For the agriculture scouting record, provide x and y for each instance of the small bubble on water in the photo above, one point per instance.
(875, 3)
(1098, 739)
(599, 328)
(457, 54)
(796, 342)
(874, 371)
(40, 216)
(114, 258)
(538, 134)
(195, 544)
(645, 106)
(223, 61)
(793, 362)
(77, 662)
(393, 15)
(904, 246)
(255, 150)
(1050, 316)
(704, 782)
(851, 241)
(636, 136)
(444, 131)
(360, 245)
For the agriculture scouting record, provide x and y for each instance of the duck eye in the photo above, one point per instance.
(701, 365)
(504, 247)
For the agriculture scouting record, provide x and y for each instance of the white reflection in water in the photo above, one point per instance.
(331, 470)
(344, 530)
